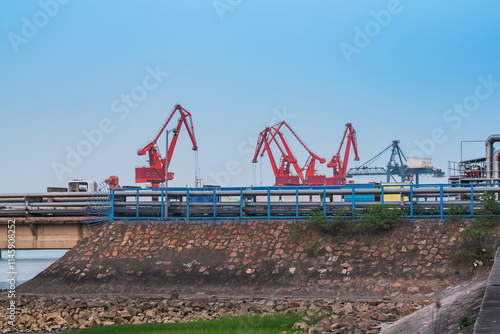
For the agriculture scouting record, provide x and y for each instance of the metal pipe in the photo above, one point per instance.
(417, 192)
(496, 167)
(55, 194)
(283, 192)
(489, 153)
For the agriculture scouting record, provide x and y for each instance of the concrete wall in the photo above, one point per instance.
(415, 260)
(489, 319)
(44, 235)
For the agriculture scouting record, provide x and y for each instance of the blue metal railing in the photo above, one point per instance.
(426, 200)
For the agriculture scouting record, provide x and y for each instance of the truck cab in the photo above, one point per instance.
(81, 186)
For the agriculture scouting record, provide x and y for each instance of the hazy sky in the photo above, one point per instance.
(85, 83)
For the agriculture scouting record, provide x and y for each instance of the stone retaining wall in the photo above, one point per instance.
(232, 257)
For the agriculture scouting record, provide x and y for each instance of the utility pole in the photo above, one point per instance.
(174, 131)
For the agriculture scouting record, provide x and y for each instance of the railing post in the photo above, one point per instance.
(137, 205)
(162, 204)
(297, 202)
(441, 208)
(241, 202)
(324, 200)
(353, 203)
(112, 205)
(215, 204)
(187, 203)
(268, 203)
(471, 199)
(411, 200)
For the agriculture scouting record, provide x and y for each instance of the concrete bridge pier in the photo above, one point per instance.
(44, 232)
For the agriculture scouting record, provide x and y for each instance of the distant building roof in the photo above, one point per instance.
(474, 161)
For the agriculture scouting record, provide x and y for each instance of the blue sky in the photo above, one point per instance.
(425, 73)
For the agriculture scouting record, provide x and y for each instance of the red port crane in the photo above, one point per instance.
(282, 174)
(155, 173)
(340, 166)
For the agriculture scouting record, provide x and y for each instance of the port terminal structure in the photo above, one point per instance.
(480, 170)
(59, 220)
(61, 217)
(408, 169)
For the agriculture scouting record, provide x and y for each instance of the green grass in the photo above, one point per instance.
(271, 323)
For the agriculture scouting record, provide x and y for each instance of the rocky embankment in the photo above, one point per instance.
(57, 313)
(276, 266)
(415, 260)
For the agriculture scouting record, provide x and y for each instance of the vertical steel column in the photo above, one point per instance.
(165, 204)
(382, 194)
(411, 200)
(111, 206)
(324, 201)
(187, 204)
(215, 204)
(471, 199)
(441, 200)
(297, 202)
(137, 205)
(162, 201)
(241, 202)
(268, 203)
(353, 203)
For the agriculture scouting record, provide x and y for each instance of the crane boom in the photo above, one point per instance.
(263, 141)
(185, 117)
(311, 153)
